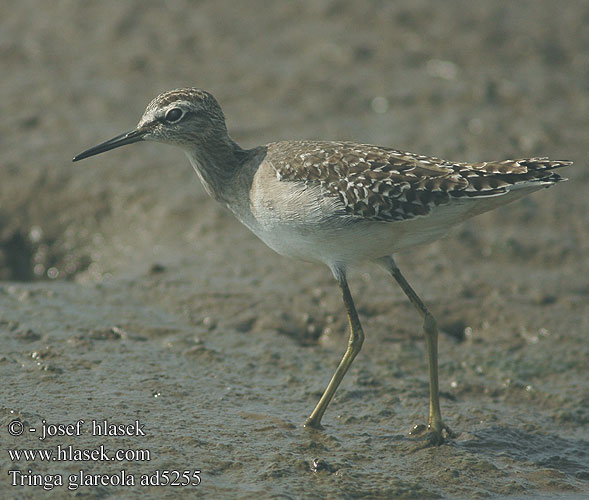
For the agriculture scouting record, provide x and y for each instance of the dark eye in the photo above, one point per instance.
(174, 115)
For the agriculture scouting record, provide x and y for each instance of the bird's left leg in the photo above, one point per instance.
(437, 430)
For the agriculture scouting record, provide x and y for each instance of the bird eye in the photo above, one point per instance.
(174, 115)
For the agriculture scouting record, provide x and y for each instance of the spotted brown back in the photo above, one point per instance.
(384, 184)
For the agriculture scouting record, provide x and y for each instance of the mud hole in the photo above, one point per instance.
(29, 255)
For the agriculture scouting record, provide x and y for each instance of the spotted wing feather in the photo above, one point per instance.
(385, 184)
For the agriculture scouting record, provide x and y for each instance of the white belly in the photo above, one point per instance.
(301, 221)
(352, 243)
(314, 228)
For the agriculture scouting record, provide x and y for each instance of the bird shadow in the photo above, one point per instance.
(569, 456)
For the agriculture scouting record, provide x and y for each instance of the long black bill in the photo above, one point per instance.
(115, 142)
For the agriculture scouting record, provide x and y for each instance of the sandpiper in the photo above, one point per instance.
(337, 203)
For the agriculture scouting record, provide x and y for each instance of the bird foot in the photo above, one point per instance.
(311, 423)
(432, 435)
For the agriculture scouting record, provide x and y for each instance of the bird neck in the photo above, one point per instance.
(216, 162)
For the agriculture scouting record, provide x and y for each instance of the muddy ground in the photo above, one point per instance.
(128, 295)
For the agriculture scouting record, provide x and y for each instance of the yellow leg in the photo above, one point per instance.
(354, 345)
(436, 426)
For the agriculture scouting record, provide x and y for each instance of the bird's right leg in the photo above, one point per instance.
(354, 345)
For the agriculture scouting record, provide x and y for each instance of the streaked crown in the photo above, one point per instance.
(182, 116)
